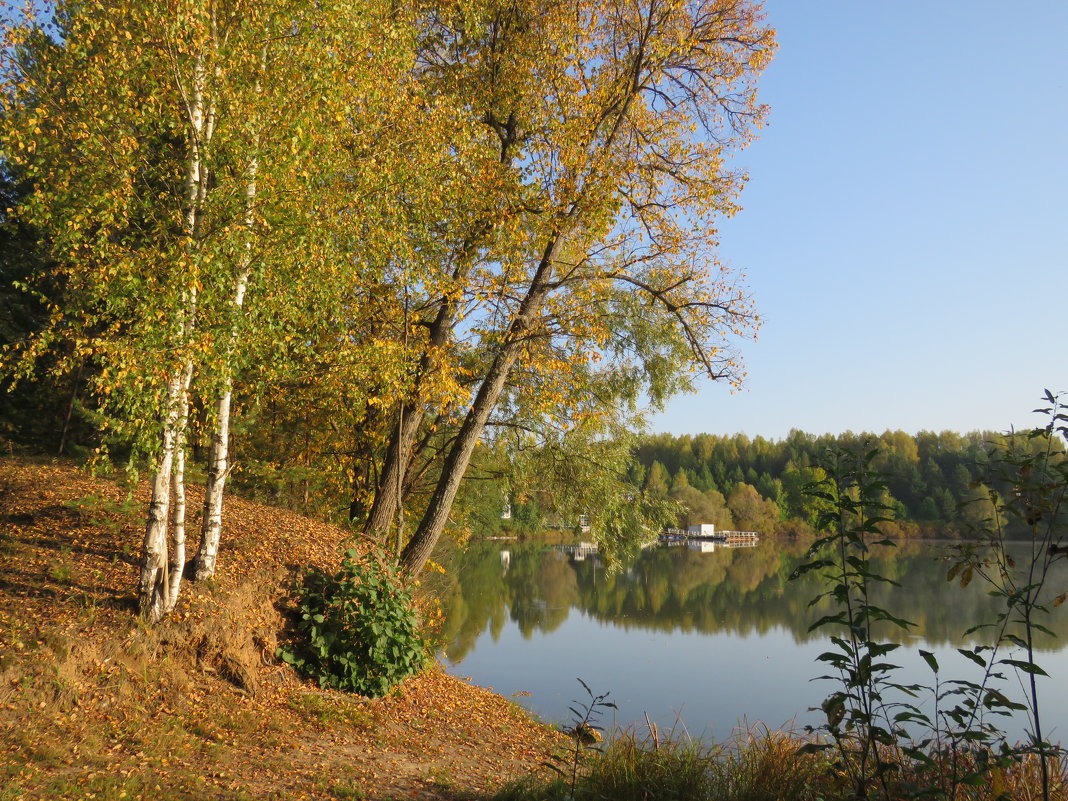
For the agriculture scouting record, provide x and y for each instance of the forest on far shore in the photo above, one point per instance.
(935, 482)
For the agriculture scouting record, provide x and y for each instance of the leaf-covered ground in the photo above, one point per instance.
(95, 705)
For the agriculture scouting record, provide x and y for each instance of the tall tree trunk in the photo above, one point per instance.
(70, 409)
(422, 543)
(178, 505)
(154, 588)
(154, 598)
(159, 590)
(177, 559)
(219, 460)
(389, 494)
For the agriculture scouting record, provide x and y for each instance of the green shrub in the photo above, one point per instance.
(358, 630)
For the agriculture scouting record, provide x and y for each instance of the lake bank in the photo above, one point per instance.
(93, 704)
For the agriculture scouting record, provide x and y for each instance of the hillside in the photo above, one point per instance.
(93, 704)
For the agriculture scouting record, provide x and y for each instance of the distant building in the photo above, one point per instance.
(506, 512)
(702, 530)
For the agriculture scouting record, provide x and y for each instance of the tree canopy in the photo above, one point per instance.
(375, 244)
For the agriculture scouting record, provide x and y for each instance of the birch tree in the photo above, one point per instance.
(181, 152)
(102, 146)
(312, 189)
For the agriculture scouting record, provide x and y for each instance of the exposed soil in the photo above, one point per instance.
(94, 704)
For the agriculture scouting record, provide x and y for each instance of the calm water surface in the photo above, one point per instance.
(713, 638)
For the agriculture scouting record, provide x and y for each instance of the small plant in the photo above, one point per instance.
(585, 731)
(1027, 480)
(103, 512)
(342, 789)
(864, 719)
(357, 630)
(60, 570)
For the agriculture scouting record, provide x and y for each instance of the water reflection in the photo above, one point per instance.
(716, 635)
(705, 588)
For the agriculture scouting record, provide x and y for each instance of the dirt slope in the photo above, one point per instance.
(95, 705)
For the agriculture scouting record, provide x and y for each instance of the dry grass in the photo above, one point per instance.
(755, 765)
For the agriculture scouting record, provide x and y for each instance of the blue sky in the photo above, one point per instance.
(905, 230)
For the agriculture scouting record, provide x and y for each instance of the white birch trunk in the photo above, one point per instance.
(155, 597)
(177, 560)
(178, 505)
(219, 460)
(152, 599)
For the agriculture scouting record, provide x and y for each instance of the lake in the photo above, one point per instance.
(701, 637)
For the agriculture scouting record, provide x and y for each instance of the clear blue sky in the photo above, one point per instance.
(905, 230)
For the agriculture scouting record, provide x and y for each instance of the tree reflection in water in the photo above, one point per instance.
(740, 591)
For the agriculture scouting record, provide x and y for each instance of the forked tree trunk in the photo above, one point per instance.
(422, 543)
(389, 494)
(159, 586)
(155, 597)
(154, 587)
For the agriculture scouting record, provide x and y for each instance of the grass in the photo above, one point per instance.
(757, 766)
(761, 767)
(333, 708)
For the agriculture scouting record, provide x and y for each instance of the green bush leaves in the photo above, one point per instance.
(357, 630)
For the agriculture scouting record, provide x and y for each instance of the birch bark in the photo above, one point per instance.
(152, 599)
(176, 566)
(219, 460)
(158, 590)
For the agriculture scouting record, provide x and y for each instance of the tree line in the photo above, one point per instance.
(340, 251)
(936, 483)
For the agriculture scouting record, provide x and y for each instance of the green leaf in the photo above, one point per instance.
(972, 656)
(929, 658)
(1027, 667)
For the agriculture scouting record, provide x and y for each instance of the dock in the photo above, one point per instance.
(724, 535)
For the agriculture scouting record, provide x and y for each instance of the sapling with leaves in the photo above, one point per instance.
(1027, 474)
(585, 731)
(866, 715)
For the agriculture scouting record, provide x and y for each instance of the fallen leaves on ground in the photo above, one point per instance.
(93, 704)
